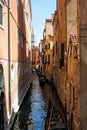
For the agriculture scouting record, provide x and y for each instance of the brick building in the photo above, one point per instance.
(41, 53)
(35, 57)
(73, 65)
(66, 59)
(47, 48)
(68, 63)
(15, 57)
(83, 66)
(59, 49)
(55, 64)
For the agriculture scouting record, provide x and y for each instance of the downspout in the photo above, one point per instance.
(9, 59)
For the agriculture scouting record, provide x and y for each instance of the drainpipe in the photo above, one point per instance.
(9, 59)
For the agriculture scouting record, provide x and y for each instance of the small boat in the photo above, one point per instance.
(54, 120)
(42, 80)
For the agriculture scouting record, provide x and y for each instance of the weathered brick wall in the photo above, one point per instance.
(61, 10)
(73, 65)
(68, 78)
(73, 91)
(35, 57)
(83, 71)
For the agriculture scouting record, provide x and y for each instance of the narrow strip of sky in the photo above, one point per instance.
(41, 10)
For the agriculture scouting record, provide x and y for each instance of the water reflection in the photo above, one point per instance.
(21, 122)
(33, 111)
(38, 104)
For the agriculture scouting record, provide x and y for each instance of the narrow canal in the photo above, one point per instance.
(33, 111)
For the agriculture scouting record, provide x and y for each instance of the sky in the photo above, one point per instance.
(41, 10)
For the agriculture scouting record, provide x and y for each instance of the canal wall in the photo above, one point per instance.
(14, 114)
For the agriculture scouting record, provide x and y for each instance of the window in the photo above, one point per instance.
(70, 49)
(1, 76)
(56, 47)
(18, 70)
(18, 35)
(49, 46)
(48, 59)
(45, 59)
(46, 47)
(53, 50)
(73, 97)
(17, 2)
(12, 72)
(1, 15)
(33, 62)
(62, 56)
(62, 51)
